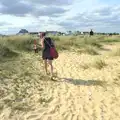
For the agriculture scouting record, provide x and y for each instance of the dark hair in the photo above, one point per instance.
(42, 34)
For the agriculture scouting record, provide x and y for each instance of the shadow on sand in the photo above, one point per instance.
(83, 82)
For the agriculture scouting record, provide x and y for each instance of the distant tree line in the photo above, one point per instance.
(91, 33)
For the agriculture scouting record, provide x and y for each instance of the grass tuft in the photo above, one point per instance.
(99, 64)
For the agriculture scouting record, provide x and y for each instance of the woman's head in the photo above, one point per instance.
(42, 34)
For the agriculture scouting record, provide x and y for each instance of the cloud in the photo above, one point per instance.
(35, 8)
(10, 30)
(105, 11)
(52, 2)
(4, 23)
(49, 11)
(29, 23)
(8, 2)
(42, 15)
(71, 25)
(102, 17)
(15, 8)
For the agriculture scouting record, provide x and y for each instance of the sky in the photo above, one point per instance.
(59, 15)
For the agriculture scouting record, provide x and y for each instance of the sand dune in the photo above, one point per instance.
(79, 92)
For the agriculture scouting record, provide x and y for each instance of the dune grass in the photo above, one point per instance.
(22, 43)
(25, 43)
(7, 52)
(99, 64)
(12, 46)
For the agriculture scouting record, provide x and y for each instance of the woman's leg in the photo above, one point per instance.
(51, 67)
(45, 62)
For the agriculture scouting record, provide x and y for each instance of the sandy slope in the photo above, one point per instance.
(78, 93)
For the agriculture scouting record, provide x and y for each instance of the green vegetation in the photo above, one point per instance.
(12, 46)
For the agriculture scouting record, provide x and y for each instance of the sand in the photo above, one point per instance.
(78, 92)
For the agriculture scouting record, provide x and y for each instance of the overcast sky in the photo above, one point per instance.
(62, 15)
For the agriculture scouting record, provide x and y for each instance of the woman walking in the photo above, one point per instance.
(46, 43)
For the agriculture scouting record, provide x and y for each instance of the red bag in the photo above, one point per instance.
(53, 51)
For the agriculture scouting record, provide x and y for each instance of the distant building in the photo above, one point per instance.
(33, 33)
(52, 32)
(85, 33)
(22, 32)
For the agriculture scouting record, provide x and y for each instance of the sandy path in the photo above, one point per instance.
(76, 99)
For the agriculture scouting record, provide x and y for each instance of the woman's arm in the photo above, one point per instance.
(42, 43)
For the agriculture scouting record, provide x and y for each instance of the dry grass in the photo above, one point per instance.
(85, 66)
(99, 64)
(90, 50)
